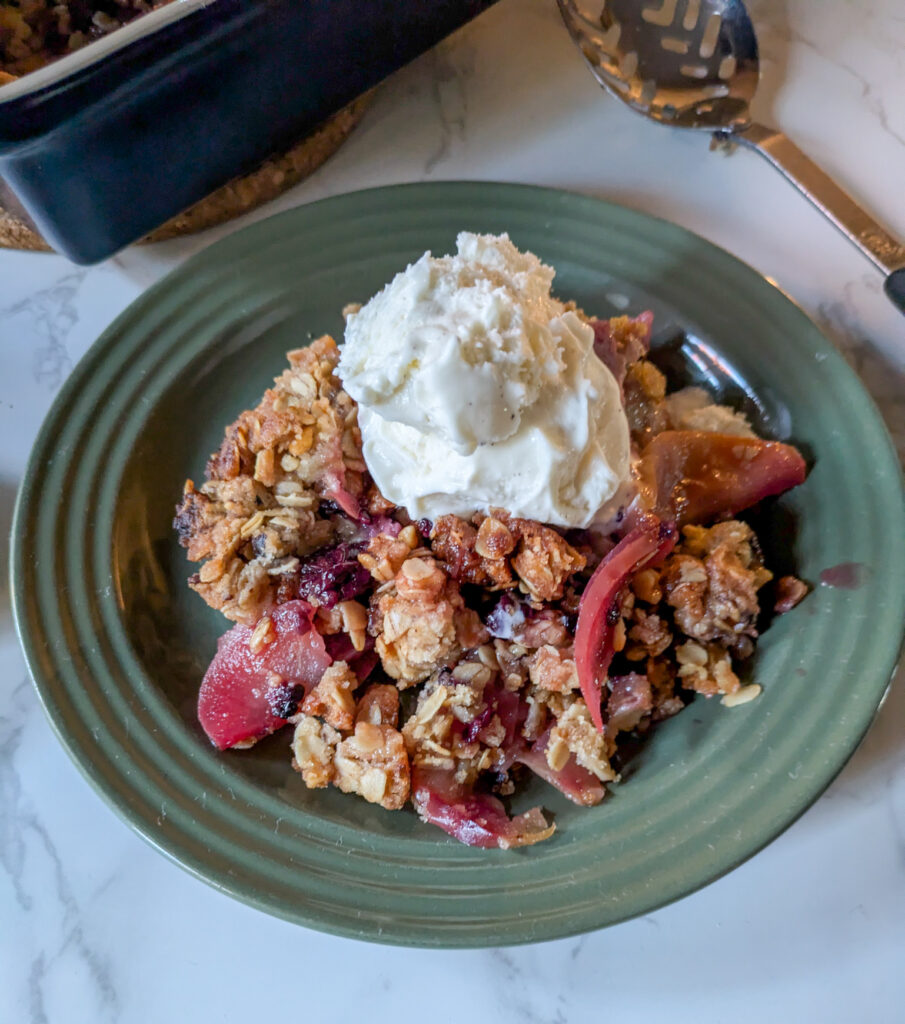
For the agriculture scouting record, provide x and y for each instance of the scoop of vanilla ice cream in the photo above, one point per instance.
(476, 388)
(457, 347)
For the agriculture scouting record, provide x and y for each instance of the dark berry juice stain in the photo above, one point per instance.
(844, 576)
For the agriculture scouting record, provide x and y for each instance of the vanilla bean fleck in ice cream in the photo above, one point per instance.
(476, 388)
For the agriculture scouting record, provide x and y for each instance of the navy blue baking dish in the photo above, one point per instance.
(107, 143)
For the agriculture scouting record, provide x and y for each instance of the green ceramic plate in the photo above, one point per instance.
(117, 645)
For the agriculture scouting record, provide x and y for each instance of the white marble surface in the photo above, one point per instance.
(96, 927)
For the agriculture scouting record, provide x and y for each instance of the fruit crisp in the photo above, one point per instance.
(441, 663)
(35, 32)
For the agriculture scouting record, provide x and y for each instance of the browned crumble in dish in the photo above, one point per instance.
(35, 32)
(437, 662)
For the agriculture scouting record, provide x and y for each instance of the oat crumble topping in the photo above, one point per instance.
(442, 657)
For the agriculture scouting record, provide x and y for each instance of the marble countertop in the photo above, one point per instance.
(96, 926)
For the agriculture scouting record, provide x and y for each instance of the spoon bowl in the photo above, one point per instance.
(694, 64)
(697, 68)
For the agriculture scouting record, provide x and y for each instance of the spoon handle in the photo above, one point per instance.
(877, 244)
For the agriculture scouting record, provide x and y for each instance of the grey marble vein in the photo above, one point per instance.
(874, 101)
(450, 67)
(52, 313)
(24, 842)
(36, 1010)
(840, 319)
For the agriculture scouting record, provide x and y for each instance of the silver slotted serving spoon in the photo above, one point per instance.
(694, 64)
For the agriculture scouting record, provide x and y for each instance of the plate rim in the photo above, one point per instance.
(93, 771)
